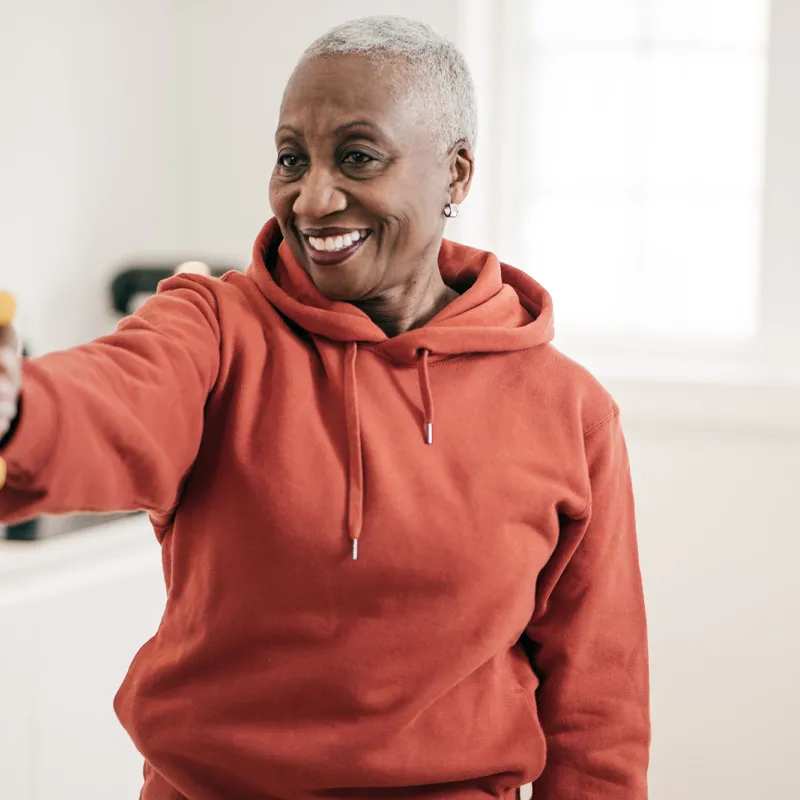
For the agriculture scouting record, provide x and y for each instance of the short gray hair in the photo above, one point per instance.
(435, 69)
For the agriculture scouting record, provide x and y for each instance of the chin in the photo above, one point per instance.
(336, 287)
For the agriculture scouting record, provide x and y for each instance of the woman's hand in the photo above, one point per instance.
(10, 366)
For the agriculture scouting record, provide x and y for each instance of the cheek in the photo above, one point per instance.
(406, 235)
(279, 199)
(419, 207)
(405, 216)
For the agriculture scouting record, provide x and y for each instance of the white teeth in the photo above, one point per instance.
(331, 243)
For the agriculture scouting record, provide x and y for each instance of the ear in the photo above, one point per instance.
(462, 169)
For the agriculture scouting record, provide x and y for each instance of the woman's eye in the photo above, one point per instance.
(357, 157)
(289, 161)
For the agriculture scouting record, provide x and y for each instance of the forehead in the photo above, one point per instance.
(325, 93)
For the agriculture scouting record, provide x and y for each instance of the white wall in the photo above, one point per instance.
(88, 145)
(720, 546)
(781, 272)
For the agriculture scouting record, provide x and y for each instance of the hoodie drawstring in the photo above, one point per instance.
(427, 395)
(355, 476)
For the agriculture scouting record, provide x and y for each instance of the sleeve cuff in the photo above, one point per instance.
(30, 445)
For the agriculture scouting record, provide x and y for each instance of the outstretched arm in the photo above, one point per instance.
(114, 425)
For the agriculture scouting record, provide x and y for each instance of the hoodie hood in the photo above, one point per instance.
(499, 310)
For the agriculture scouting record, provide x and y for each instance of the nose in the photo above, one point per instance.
(318, 195)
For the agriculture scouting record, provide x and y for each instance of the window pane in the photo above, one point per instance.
(706, 118)
(580, 247)
(644, 127)
(701, 265)
(585, 20)
(730, 21)
(582, 121)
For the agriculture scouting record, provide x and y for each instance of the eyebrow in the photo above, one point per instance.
(359, 123)
(288, 129)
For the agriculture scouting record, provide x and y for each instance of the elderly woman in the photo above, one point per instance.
(397, 524)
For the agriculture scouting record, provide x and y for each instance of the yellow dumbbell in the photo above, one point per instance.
(7, 310)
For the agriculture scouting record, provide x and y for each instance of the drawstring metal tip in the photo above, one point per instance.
(429, 433)
(355, 549)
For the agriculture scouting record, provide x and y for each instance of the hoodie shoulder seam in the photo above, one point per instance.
(604, 420)
(586, 434)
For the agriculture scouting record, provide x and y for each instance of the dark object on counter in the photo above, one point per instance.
(24, 531)
(46, 528)
(136, 281)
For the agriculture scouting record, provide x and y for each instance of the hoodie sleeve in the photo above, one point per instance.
(116, 425)
(590, 642)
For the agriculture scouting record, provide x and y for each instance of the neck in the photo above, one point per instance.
(406, 307)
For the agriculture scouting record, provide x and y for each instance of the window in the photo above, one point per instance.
(630, 159)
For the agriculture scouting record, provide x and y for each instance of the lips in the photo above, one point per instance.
(329, 258)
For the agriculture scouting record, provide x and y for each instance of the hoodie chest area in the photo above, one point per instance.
(336, 434)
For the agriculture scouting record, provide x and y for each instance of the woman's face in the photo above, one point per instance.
(359, 186)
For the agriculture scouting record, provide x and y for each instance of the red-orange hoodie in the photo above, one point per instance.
(491, 630)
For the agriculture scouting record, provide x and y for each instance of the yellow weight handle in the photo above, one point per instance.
(7, 310)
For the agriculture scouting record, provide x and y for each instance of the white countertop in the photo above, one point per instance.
(46, 564)
(74, 610)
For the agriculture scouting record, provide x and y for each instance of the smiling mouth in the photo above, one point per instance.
(334, 249)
